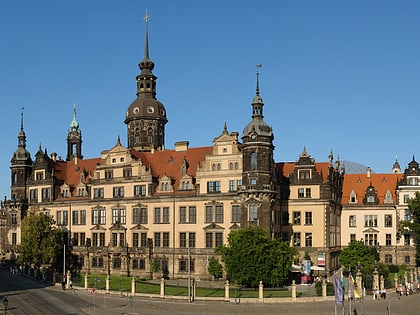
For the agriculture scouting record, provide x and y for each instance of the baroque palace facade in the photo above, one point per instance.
(141, 204)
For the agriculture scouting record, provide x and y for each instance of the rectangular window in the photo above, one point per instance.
(352, 221)
(95, 239)
(388, 240)
(143, 215)
(296, 218)
(296, 239)
(46, 193)
(136, 242)
(219, 239)
(165, 239)
(308, 193)
(219, 214)
(33, 195)
(14, 238)
(308, 218)
(82, 219)
(127, 172)
(109, 174)
(98, 216)
(192, 214)
(352, 238)
(301, 193)
(308, 239)
(209, 240)
(118, 192)
(213, 186)
(182, 214)
(122, 239)
(407, 259)
(388, 220)
(157, 240)
(98, 193)
(406, 198)
(165, 215)
(253, 213)
(236, 214)
(371, 220)
(232, 185)
(114, 239)
(371, 239)
(406, 239)
(191, 240)
(14, 219)
(209, 214)
(143, 239)
(157, 214)
(140, 190)
(182, 240)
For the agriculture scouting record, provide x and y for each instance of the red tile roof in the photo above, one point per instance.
(70, 171)
(287, 168)
(360, 182)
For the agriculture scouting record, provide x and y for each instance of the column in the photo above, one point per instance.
(68, 279)
(324, 288)
(396, 281)
(359, 281)
(133, 285)
(162, 288)
(227, 298)
(375, 279)
(261, 292)
(294, 291)
(107, 283)
(86, 280)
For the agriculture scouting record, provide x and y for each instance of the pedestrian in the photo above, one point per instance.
(71, 284)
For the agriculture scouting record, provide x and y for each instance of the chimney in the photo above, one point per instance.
(368, 172)
(54, 156)
(181, 146)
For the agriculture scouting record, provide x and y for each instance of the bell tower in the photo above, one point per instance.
(258, 176)
(74, 139)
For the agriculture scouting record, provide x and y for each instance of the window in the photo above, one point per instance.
(388, 220)
(388, 239)
(116, 263)
(308, 218)
(371, 220)
(296, 217)
(157, 240)
(352, 238)
(182, 239)
(14, 218)
(304, 193)
(214, 239)
(232, 185)
(213, 186)
(98, 239)
(236, 214)
(191, 240)
(98, 193)
(388, 259)
(165, 239)
(371, 239)
(308, 239)
(33, 195)
(98, 216)
(185, 185)
(183, 265)
(143, 239)
(114, 239)
(157, 215)
(118, 192)
(109, 174)
(140, 190)
(62, 218)
(352, 221)
(79, 239)
(214, 213)
(78, 217)
(296, 239)
(182, 214)
(407, 259)
(253, 213)
(97, 262)
(139, 215)
(75, 217)
(406, 198)
(46, 193)
(406, 239)
(118, 216)
(388, 197)
(14, 238)
(253, 161)
(209, 240)
(190, 213)
(127, 172)
(304, 174)
(136, 242)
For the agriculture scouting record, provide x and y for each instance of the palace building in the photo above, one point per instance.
(141, 205)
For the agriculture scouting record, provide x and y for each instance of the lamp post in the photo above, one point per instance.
(5, 304)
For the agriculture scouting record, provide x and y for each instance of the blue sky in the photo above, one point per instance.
(340, 75)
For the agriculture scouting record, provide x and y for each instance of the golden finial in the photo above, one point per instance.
(146, 18)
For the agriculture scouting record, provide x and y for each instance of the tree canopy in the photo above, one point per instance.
(358, 253)
(41, 241)
(414, 223)
(250, 256)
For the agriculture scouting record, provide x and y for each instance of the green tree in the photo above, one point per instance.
(357, 253)
(251, 256)
(215, 268)
(414, 223)
(41, 241)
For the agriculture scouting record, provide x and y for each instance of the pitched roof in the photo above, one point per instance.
(360, 182)
(70, 172)
(169, 162)
(287, 168)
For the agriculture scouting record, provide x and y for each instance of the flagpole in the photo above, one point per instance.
(349, 292)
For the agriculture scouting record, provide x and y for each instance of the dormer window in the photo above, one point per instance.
(39, 175)
(304, 174)
(353, 197)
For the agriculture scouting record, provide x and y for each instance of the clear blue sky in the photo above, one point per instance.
(340, 75)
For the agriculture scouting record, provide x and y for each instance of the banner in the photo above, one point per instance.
(338, 290)
(354, 291)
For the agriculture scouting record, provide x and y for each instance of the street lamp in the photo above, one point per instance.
(5, 304)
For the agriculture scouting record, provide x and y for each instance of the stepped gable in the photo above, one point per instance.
(360, 182)
(169, 162)
(287, 168)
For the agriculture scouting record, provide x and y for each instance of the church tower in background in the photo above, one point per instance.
(146, 116)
